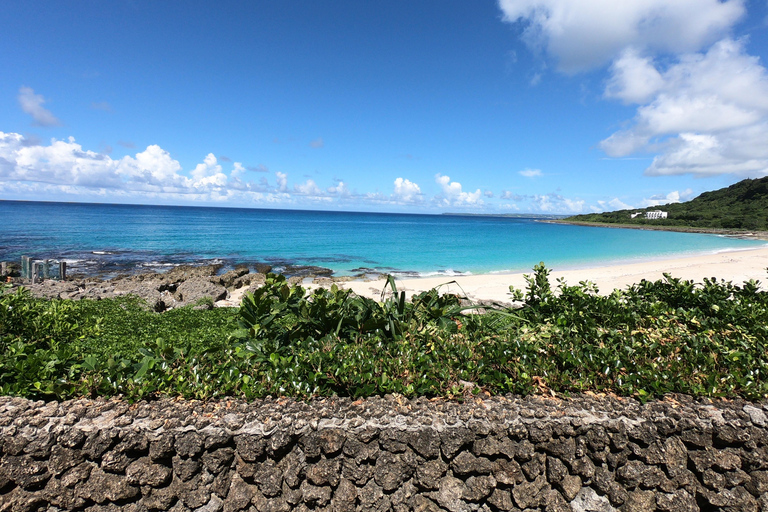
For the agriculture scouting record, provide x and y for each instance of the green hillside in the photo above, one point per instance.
(743, 206)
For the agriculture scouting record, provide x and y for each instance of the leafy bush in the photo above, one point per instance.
(650, 339)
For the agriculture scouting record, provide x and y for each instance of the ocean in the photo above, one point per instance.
(108, 239)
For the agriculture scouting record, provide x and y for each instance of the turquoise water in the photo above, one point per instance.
(97, 238)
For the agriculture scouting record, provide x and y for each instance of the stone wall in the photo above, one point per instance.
(504, 453)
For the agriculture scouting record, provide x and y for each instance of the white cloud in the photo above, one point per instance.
(706, 114)
(406, 191)
(453, 194)
(612, 205)
(340, 189)
(634, 79)
(673, 197)
(531, 173)
(282, 181)
(64, 168)
(590, 33)
(32, 104)
(308, 188)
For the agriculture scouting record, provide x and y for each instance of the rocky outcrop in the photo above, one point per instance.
(504, 453)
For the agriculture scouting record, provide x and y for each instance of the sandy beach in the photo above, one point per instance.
(734, 266)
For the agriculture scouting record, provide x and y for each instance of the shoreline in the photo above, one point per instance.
(731, 233)
(736, 266)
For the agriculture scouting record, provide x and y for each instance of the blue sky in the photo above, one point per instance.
(515, 106)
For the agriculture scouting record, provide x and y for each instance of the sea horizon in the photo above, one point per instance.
(112, 238)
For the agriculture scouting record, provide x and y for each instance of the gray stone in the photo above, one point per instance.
(450, 493)
(198, 288)
(756, 415)
(215, 504)
(587, 500)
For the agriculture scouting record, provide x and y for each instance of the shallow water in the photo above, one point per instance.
(98, 238)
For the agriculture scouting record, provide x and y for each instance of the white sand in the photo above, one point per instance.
(734, 266)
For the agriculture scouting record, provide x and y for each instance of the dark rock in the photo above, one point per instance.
(345, 497)
(636, 474)
(198, 288)
(185, 468)
(315, 495)
(61, 459)
(217, 460)
(331, 440)
(250, 447)
(479, 487)
(26, 472)
(392, 469)
(393, 440)
(429, 473)
(228, 278)
(465, 463)
(679, 501)
(502, 500)
(102, 487)
(454, 439)
(239, 495)
(507, 472)
(425, 442)
(144, 472)
(530, 494)
(324, 472)
(640, 501)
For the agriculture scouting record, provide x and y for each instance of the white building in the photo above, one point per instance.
(656, 214)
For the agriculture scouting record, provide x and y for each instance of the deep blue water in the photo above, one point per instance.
(98, 238)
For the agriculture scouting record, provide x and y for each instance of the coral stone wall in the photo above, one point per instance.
(504, 453)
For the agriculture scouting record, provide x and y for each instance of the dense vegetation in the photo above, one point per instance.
(742, 206)
(645, 341)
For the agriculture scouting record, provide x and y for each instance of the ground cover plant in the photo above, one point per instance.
(652, 338)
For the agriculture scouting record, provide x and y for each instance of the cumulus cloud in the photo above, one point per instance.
(590, 33)
(65, 167)
(308, 188)
(556, 203)
(32, 104)
(282, 181)
(406, 191)
(706, 114)
(531, 173)
(509, 196)
(453, 194)
(340, 189)
(612, 205)
(673, 197)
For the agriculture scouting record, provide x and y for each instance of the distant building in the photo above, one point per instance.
(656, 214)
(633, 215)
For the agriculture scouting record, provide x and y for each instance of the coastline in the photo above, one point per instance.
(735, 266)
(732, 233)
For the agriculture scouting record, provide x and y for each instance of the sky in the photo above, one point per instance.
(508, 106)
